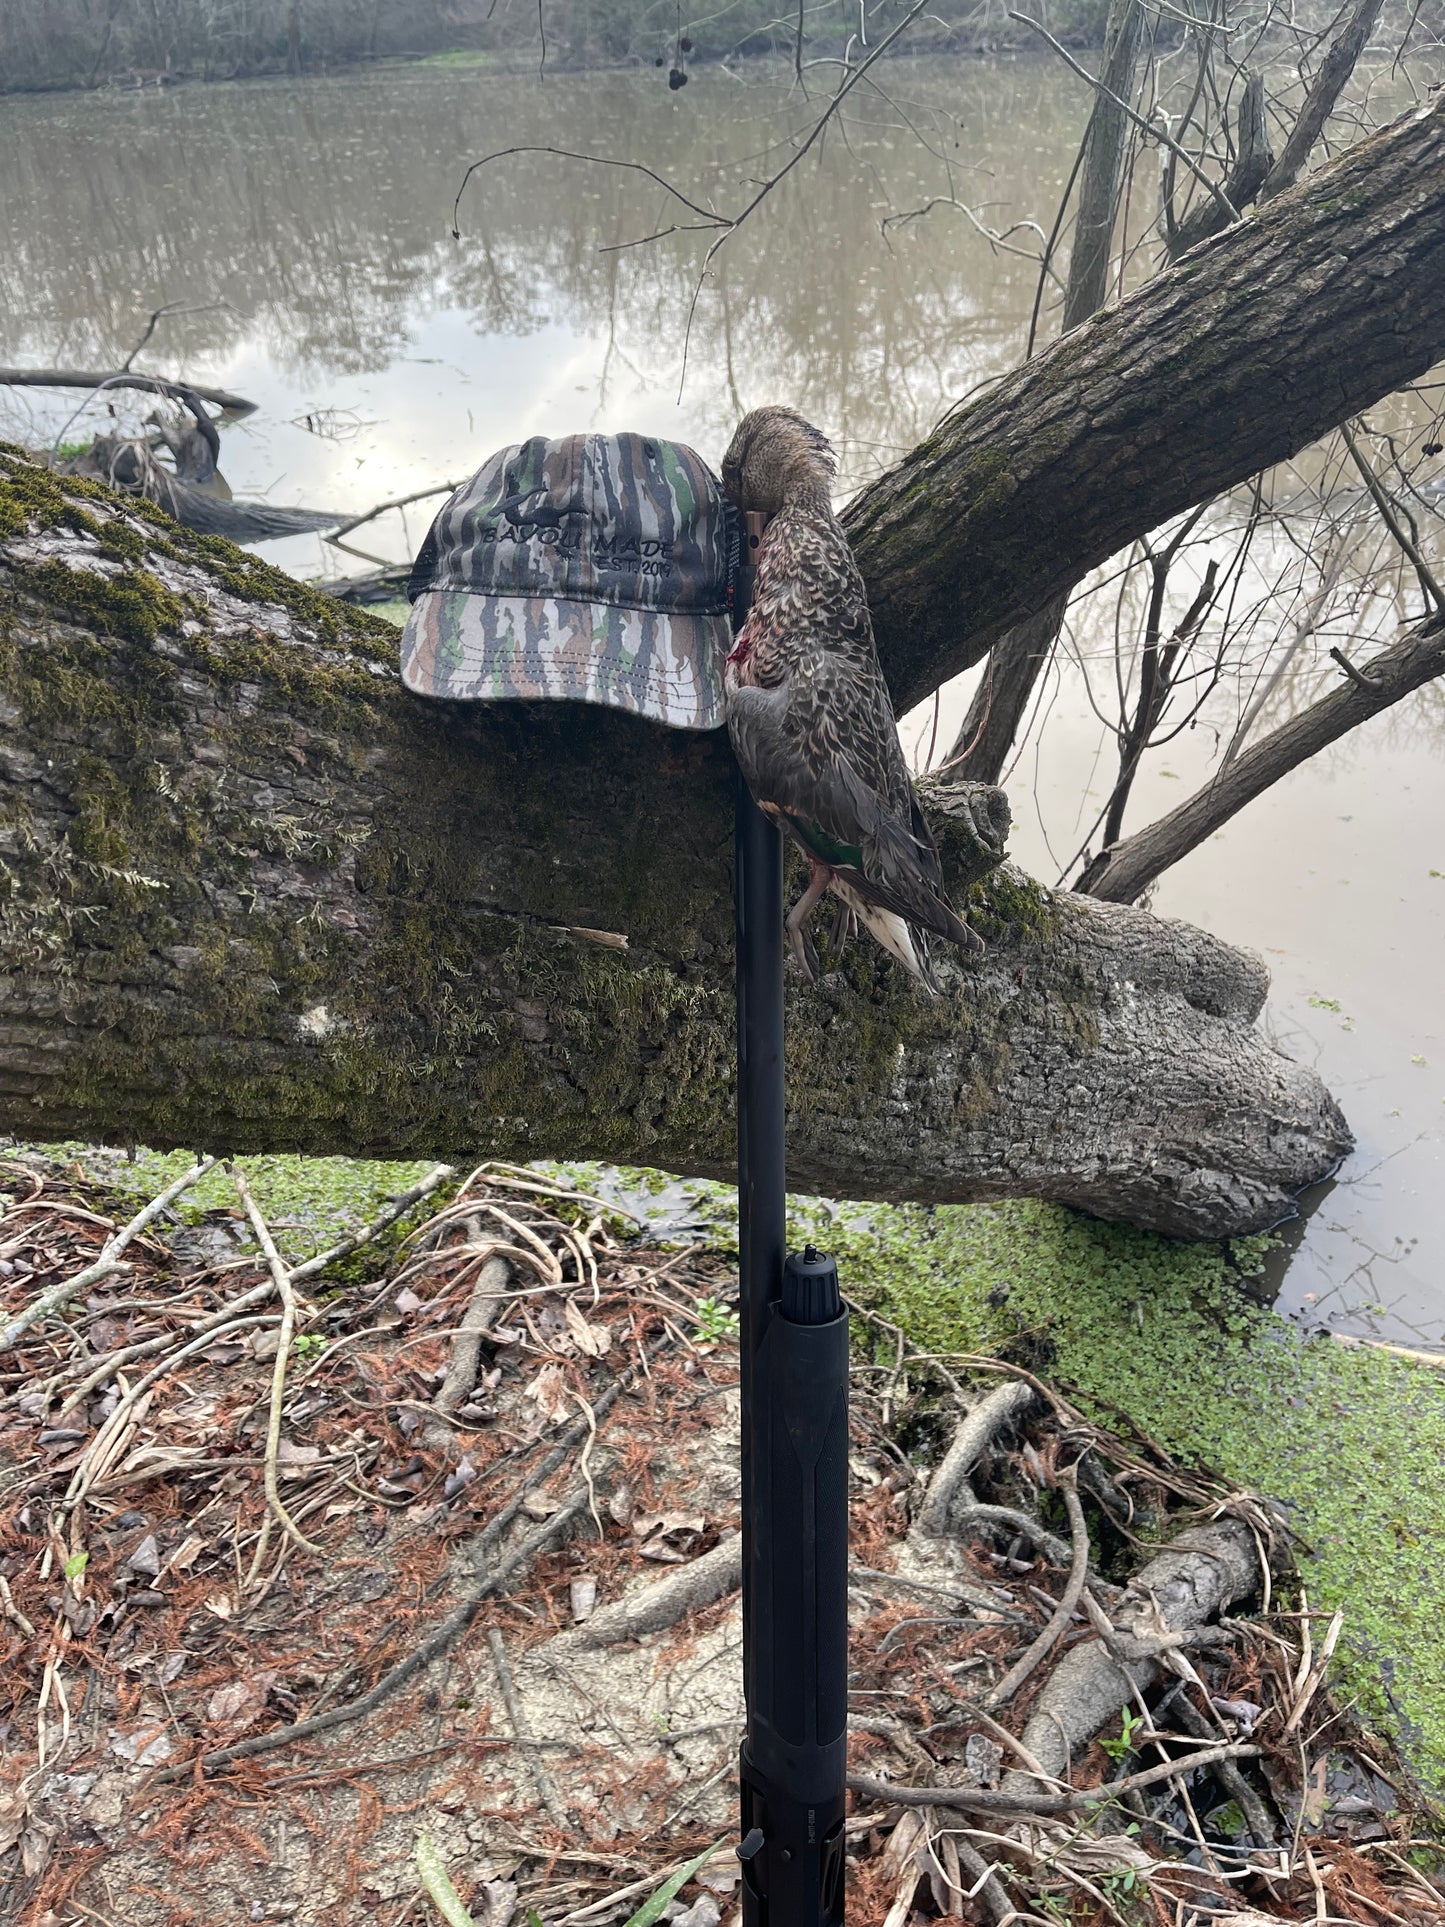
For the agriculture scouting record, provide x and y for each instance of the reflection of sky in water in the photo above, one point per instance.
(427, 356)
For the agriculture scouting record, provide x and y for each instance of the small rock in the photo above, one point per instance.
(146, 1558)
(584, 1597)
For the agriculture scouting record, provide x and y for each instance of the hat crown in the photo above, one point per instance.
(624, 519)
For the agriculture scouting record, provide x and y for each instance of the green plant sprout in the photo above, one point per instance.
(1124, 1743)
(715, 1322)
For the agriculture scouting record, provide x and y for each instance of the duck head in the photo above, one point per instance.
(776, 457)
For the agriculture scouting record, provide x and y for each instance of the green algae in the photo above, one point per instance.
(309, 1203)
(1349, 1440)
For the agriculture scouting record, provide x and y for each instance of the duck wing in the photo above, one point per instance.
(800, 743)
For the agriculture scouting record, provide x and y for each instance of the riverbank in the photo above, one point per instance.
(1170, 1338)
(473, 1587)
(748, 33)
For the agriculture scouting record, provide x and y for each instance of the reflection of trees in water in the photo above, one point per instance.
(320, 212)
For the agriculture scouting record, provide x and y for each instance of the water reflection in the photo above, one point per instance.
(386, 356)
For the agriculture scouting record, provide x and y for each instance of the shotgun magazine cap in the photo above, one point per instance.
(593, 569)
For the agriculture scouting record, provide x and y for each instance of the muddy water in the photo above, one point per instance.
(308, 225)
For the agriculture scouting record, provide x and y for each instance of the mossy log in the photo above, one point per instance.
(1251, 346)
(256, 897)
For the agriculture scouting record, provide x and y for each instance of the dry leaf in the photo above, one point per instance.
(591, 1340)
(668, 1525)
(186, 1554)
(220, 1603)
(13, 1808)
(242, 1700)
(35, 1849)
(548, 1392)
(146, 1558)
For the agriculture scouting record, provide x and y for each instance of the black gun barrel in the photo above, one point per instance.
(794, 1373)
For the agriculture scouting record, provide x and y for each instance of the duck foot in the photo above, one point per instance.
(819, 877)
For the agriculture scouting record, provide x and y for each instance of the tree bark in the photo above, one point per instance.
(1235, 358)
(1018, 657)
(1319, 103)
(257, 897)
(1123, 873)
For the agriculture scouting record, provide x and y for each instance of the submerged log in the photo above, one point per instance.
(256, 897)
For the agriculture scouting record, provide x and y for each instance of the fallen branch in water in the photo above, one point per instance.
(230, 404)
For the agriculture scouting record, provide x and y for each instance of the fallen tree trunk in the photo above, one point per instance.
(258, 898)
(1238, 356)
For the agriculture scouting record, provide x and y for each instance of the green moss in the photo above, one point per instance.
(1008, 903)
(309, 1203)
(135, 606)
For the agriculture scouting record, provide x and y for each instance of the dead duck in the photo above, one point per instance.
(809, 713)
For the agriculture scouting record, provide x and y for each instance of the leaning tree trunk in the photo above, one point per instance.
(1238, 356)
(255, 897)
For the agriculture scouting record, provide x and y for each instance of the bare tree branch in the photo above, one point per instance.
(1131, 866)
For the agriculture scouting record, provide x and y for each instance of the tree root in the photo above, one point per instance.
(1063, 1613)
(1203, 1572)
(665, 1601)
(481, 1313)
(949, 1487)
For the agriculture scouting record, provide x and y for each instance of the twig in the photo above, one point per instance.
(62, 1293)
(398, 1208)
(1014, 1678)
(984, 1800)
(1381, 499)
(987, 1886)
(147, 1348)
(1356, 676)
(1316, 1674)
(546, 1785)
(398, 502)
(13, 1612)
(278, 1384)
(1149, 129)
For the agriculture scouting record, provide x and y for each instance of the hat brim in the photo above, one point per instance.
(469, 647)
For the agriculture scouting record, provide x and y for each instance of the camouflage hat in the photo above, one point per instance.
(593, 568)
